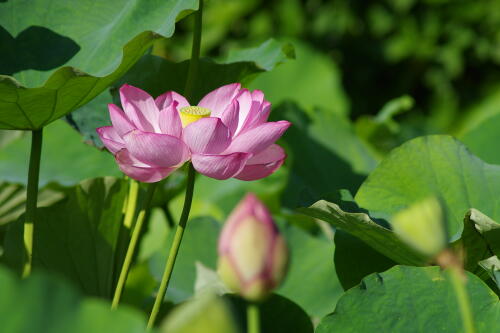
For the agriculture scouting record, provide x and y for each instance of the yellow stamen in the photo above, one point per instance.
(190, 114)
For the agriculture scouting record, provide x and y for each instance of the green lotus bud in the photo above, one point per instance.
(253, 255)
(421, 227)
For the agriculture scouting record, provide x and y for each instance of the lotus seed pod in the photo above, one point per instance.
(421, 227)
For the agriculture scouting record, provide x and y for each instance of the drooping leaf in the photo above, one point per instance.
(478, 239)
(491, 266)
(363, 227)
(157, 75)
(93, 34)
(44, 303)
(433, 165)
(411, 299)
(65, 159)
(77, 237)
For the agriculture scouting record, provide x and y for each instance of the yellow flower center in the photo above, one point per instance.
(190, 114)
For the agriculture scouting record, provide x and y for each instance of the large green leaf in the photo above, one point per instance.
(411, 299)
(43, 303)
(77, 237)
(157, 75)
(93, 33)
(65, 159)
(482, 139)
(433, 165)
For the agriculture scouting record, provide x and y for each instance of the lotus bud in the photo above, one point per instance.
(253, 255)
(421, 227)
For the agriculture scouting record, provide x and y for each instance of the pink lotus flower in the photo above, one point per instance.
(226, 135)
(235, 139)
(146, 138)
(253, 255)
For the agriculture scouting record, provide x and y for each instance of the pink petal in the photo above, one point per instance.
(110, 138)
(258, 138)
(263, 164)
(119, 120)
(140, 108)
(245, 104)
(217, 100)
(230, 116)
(257, 113)
(154, 149)
(167, 98)
(170, 122)
(207, 136)
(140, 171)
(258, 96)
(219, 166)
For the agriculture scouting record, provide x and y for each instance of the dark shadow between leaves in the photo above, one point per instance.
(35, 48)
(315, 170)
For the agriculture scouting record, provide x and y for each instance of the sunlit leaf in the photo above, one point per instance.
(411, 299)
(93, 34)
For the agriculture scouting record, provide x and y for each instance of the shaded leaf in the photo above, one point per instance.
(77, 237)
(13, 200)
(325, 155)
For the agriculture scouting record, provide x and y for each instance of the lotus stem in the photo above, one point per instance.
(31, 198)
(459, 284)
(131, 203)
(132, 245)
(179, 231)
(174, 248)
(253, 318)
